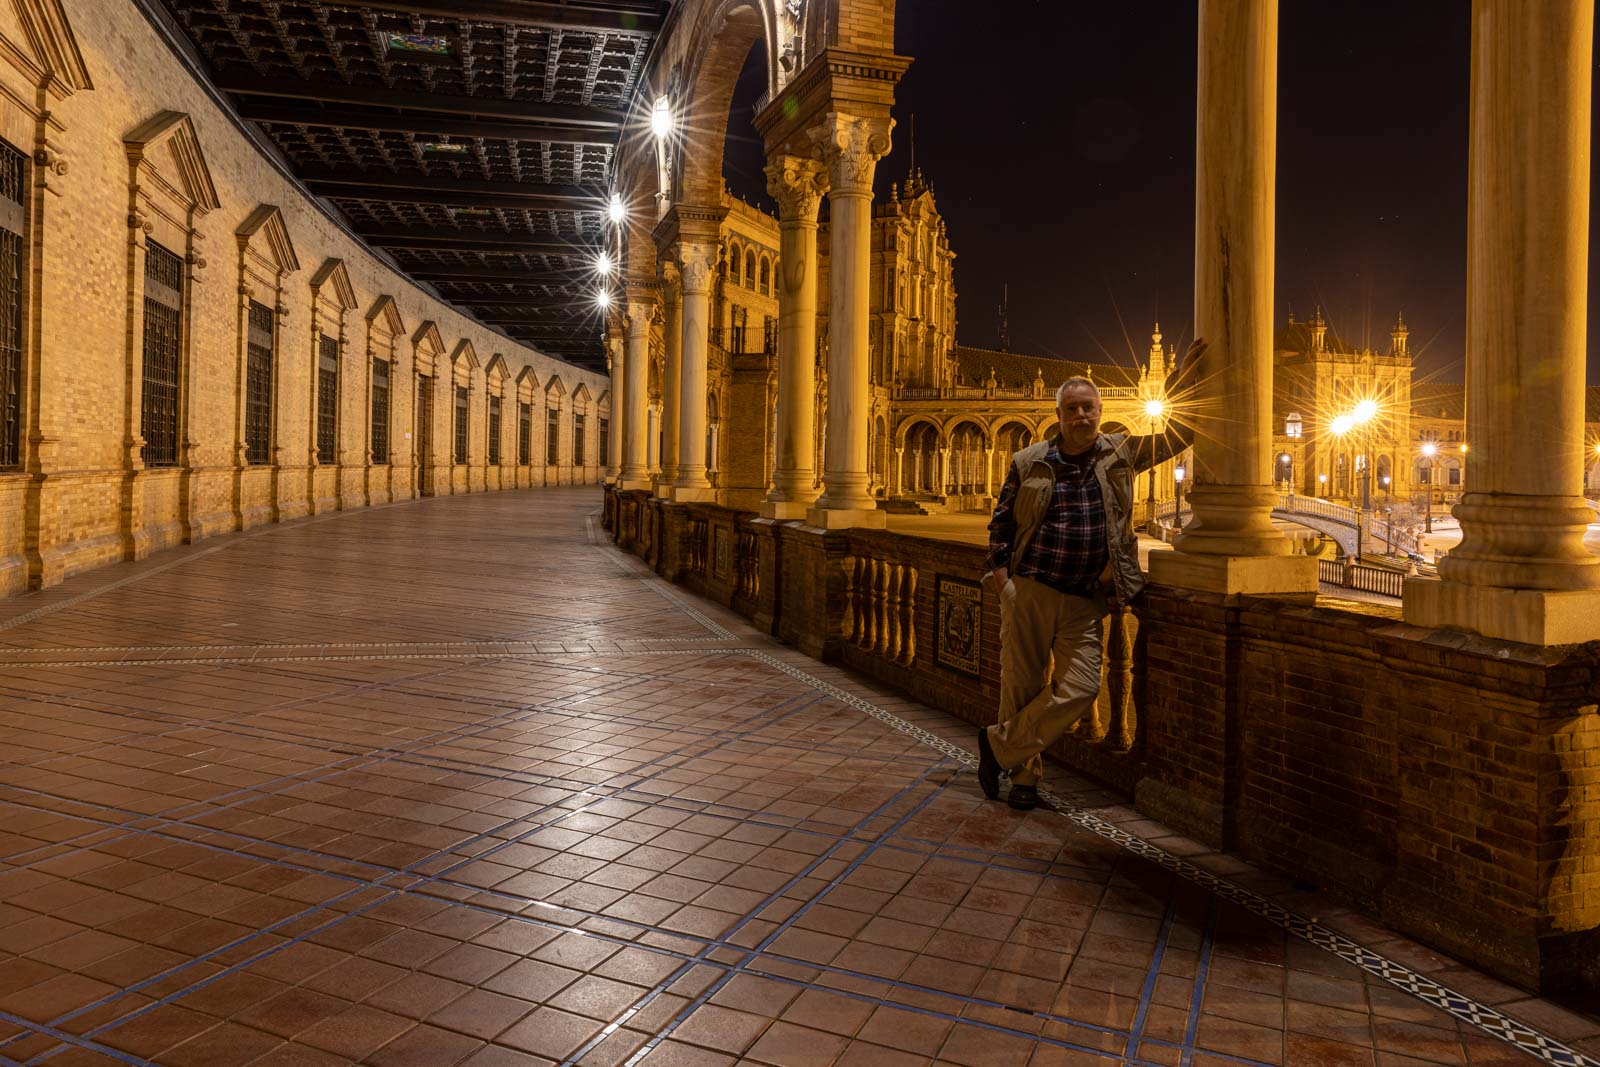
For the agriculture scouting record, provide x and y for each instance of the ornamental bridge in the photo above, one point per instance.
(1344, 525)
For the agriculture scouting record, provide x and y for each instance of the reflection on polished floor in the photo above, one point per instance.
(455, 782)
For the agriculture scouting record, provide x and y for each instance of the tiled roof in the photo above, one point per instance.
(1016, 369)
(1297, 337)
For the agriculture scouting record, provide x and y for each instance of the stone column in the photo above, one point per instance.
(613, 457)
(1231, 546)
(798, 185)
(852, 147)
(1521, 572)
(695, 260)
(671, 374)
(652, 441)
(899, 471)
(635, 472)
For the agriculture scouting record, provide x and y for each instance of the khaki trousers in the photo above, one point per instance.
(1039, 701)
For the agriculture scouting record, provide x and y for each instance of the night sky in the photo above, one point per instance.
(1060, 146)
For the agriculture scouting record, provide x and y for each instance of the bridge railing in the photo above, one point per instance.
(1310, 505)
(1378, 580)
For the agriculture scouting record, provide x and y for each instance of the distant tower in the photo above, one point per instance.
(1319, 332)
(1005, 318)
(1401, 346)
(1158, 358)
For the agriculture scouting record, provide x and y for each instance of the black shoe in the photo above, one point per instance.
(1023, 797)
(988, 767)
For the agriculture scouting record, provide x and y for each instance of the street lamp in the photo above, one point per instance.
(1366, 411)
(1429, 450)
(1177, 496)
(1153, 409)
(1322, 483)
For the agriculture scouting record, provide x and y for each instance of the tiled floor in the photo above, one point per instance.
(455, 782)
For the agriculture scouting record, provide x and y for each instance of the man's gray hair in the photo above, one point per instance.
(1061, 390)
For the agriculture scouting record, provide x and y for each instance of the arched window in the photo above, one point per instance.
(735, 261)
(749, 268)
(766, 276)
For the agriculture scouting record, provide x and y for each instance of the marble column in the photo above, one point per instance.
(635, 473)
(798, 185)
(852, 147)
(614, 438)
(695, 261)
(671, 374)
(652, 442)
(1521, 572)
(1231, 546)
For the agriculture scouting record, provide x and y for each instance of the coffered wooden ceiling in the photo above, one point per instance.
(470, 139)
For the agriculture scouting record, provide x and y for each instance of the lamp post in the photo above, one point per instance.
(1388, 498)
(1322, 485)
(1177, 496)
(1340, 426)
(1429, 450)
(1365, 412)
(1153, 409)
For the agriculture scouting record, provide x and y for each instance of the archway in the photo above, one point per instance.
(921, 460)
(969, 453)
(1009, 439)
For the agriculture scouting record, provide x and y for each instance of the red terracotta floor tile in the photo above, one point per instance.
(497, 800)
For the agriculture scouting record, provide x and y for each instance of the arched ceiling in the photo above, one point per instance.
(469, 139)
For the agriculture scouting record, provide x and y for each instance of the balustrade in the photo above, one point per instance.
(880, 598)
(698, 539)
(747, 564)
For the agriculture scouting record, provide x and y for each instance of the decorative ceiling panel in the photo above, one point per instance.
(474, 148)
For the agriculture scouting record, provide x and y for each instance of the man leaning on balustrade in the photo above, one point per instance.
(1061, 551)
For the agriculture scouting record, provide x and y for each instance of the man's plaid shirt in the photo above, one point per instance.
(1069, 551)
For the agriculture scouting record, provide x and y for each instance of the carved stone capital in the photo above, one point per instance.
(637, 316)
(696, 265)
(671, 282)
(798, 185)
(851, 147)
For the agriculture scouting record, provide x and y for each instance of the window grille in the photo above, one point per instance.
(163, 322)
(380, 411)
(605, 439)
(258, 386)
(424, 421)
(13, 168)
(552, 436)
(578, 457)
(461, 424)
(327, 399)
(494, 431)
(524, 434)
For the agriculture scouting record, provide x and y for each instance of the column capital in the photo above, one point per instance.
(851, 146)
(798, 184)
(637, 314)
(671, 282)
(695, 261)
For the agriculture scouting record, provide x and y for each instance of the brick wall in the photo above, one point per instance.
(84, 500)
(1449, 784)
